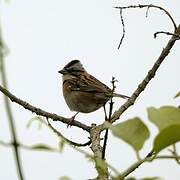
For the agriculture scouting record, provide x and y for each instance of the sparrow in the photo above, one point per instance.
(83, 92)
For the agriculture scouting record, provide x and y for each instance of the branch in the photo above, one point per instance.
(124, 31)
(167, 33)
(174, 153)
(168, 157)
(100, 164)
(31, 147)
(149, 157)
(150, 6)
(111, 103)
(41, 112)
(67, 140)
(9, 111)
(146, 80)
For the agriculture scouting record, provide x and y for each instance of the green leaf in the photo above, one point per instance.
(177, 95)
(64, 178)
(164, 116)
(133, 131)
(166, 137)
(42, 147)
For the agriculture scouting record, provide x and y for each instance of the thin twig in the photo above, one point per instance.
(41, 112)
(150, 6)
(168, 157)
(9, 112)
(30, 147)
(123, 26)
(149, 158)
(167, 33)
(135, 166)
(110, 114)
(66, 139)
(175, 154)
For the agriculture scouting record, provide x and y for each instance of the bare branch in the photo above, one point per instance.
(28, 147)
(66, 139)
(41, 112)
(148, 6)
(111, 103)
(175, 153)
(149, 158)
(123, 25)
(167, 33)
(168, 157)
(147, 79)
(129, 170)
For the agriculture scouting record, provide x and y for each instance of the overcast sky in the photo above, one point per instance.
(42, 36)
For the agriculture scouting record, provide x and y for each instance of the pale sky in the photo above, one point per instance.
(42, 36)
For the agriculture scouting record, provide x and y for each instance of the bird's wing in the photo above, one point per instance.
(89, 83)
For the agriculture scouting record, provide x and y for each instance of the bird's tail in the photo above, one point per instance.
(121, 95)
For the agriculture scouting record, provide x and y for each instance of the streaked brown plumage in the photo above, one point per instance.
(83, 92)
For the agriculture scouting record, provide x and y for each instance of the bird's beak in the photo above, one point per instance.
(63, 71)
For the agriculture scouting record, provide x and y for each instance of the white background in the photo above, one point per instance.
(43, 36)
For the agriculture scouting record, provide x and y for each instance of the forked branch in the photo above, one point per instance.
(148, 6)
(148, 77)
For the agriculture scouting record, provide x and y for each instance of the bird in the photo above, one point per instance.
(83, 92)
